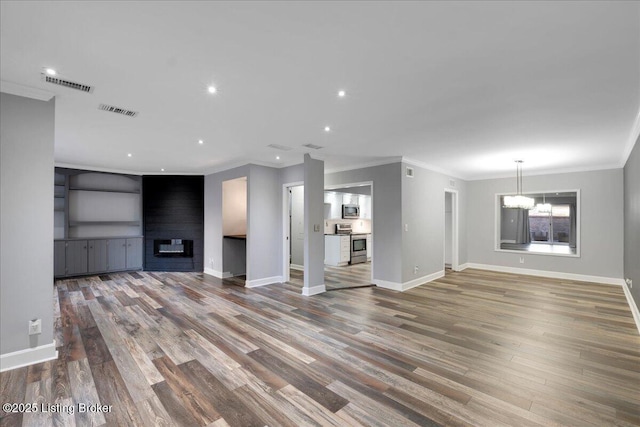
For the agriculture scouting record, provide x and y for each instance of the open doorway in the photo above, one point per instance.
(234, 230)
(450, 230)
(348, 229)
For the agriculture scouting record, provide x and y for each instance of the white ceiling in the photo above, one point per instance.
(461, 87)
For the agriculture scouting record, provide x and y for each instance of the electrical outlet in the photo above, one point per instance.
(629, 283)
(521, 260)
(211, 262)
(35, 326)
(415, 270)
(406, 227)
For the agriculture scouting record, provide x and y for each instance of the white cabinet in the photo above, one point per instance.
(369, 247)
(334, 200)
(337, 249)
(365, 207)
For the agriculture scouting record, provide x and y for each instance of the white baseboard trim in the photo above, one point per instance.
(632, 305)
(313, 290)
(263, 282)
(401, 287)
(218, 274)
(296, 267)
(546, 273)
(463, 266)
(29, 356)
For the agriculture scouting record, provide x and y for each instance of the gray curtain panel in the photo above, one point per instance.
(572, 226)
(523, 232)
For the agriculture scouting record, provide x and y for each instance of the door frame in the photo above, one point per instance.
(286, 227)
(455, 244)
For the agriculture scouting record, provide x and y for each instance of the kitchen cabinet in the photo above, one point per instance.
(365, 206)
(337, 249)
(369, 247)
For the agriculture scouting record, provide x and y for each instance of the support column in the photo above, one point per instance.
(313, 226)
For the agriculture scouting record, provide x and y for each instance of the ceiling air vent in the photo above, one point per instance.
(117, 110)
(313, 146)
(409, 172)
(280, 147)
(67, 83)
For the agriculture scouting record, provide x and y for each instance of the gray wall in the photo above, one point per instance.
(632, 221)
(314, 216)
(26, 213)
(386, 215)
(264, 223)
(213, 215)
(601, 226)
(448, 223)
(423, 207)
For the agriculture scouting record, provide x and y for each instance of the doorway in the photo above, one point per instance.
(450, 230)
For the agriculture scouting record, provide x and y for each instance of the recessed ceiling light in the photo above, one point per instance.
(341, 93)
(162, 170)
(327, 129)
(212, 89)
(277, 157)
(50, 71)
(129, 155)
(200, 142)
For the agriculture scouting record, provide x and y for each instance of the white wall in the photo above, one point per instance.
(314, 230)
(234, 206)
(26, 227)
(601, 220)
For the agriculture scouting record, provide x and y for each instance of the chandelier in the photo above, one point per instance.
(518, 201)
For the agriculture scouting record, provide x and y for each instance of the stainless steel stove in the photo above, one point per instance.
(358, 243)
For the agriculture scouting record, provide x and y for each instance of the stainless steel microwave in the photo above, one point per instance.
(350, 211)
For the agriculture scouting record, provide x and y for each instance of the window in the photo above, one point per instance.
(551, 227)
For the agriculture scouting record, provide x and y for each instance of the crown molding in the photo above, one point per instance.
(25, 91)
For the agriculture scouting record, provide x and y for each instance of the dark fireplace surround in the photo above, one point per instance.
(173, 209)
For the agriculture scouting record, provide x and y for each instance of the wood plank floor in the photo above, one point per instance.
(472, 348)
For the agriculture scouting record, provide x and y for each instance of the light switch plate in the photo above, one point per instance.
(316, 227)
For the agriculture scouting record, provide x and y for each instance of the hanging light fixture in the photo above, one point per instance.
(543, 207)
(518, 201)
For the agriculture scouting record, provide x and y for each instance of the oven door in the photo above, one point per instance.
(358, 248)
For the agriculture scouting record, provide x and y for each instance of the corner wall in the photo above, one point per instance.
(632, 221)
(26, 227)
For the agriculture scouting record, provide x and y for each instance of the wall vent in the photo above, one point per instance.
(409, 172)
(280, 147)
(67, 83)
(313, 146)
(117, 110)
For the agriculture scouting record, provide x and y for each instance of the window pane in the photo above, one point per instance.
(561, 223)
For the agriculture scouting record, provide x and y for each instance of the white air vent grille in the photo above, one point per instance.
(313, 146)
(280, 147)
(67, 83)
(409, 172)
(117, 110)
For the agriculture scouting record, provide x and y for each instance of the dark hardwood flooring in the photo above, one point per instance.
(472, 348)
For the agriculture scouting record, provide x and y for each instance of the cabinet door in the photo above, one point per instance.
(116, 254)
(59, 259)
(97, 254)
(76, 257)
(345, 249)
(369, 248)
(134, 254)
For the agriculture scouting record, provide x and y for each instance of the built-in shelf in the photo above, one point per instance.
(127, 223)
(103, 190)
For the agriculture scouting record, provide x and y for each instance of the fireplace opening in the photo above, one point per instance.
(173, 248)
